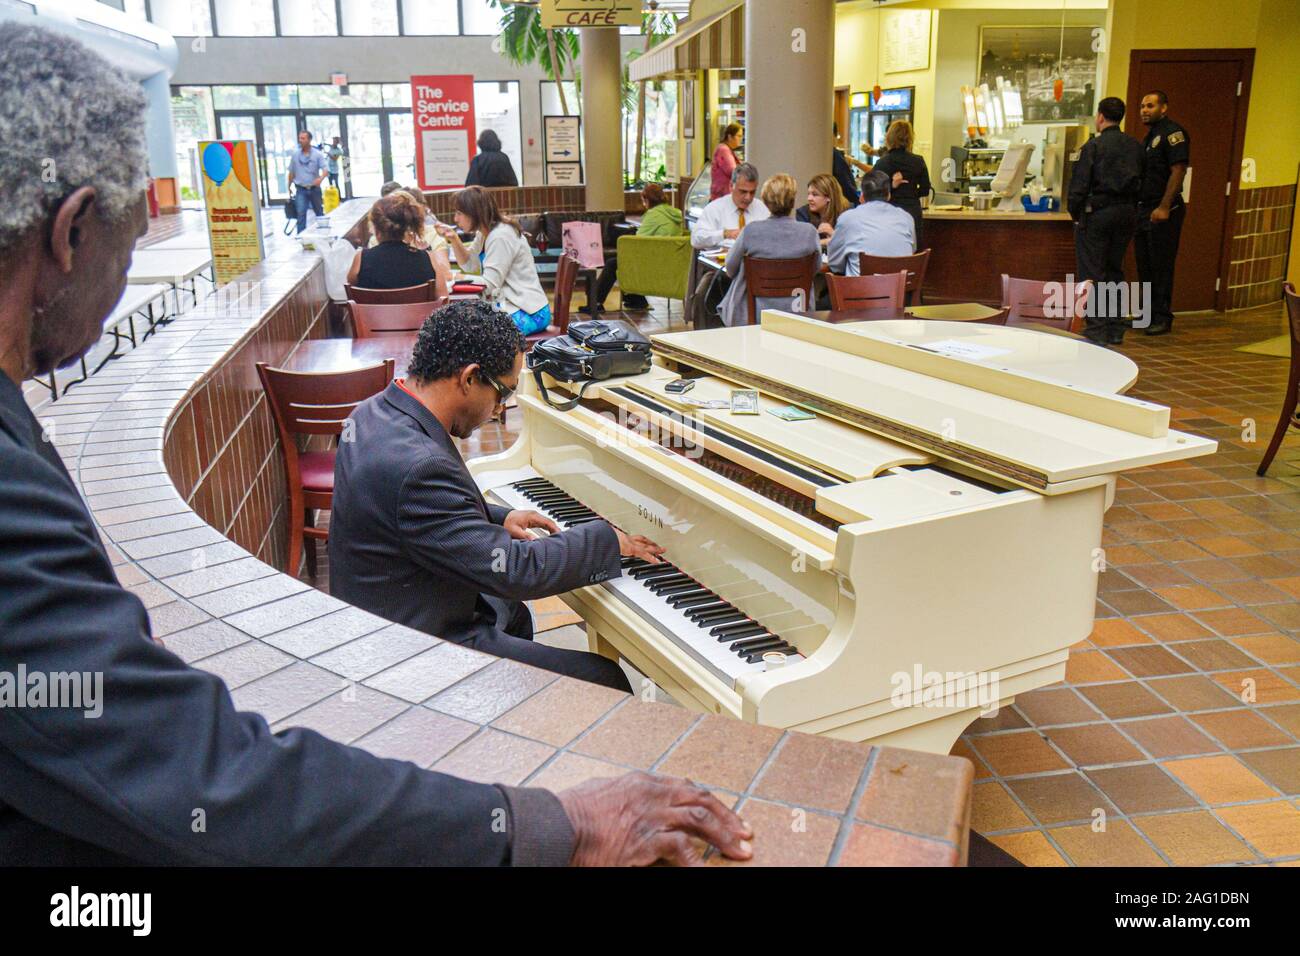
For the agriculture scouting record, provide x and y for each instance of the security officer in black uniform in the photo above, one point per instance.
(1103, 202)
(1160, 208)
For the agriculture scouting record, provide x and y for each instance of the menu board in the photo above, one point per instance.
(906, 41)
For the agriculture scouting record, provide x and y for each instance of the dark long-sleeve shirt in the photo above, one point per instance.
(491, 168)
(125, 786)
(1109, 172)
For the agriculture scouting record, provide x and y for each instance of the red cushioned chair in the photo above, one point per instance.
(566, 276)
(868, 292)
(914, 266)
(314, 403)
(1290, 417)
(372, 321)
(1028, 301)
(425, 292)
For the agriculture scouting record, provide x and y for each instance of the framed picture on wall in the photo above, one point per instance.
(1028, 58)
(686, 98)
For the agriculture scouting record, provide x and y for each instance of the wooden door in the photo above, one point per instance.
(1208, 94)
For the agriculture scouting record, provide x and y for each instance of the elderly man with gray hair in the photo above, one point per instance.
(727, 215)
(123, 788)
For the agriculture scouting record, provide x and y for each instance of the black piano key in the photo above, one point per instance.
(727, 610)
(654, 571)
(530, 483)
(574, 522)
(561, 514)
(756, 643)
(628, 562)
(713, 606)
(691, 598)
(710, 620)
(667, 590)
(676, 578)
(733, 632)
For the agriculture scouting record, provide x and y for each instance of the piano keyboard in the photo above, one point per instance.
(713, 631)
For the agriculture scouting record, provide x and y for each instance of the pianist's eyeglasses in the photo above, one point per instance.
(503, 392)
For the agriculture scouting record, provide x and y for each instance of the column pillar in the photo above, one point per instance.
(602, 117)
(789, 86)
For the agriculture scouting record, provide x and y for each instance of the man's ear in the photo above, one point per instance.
(69, 226)
(467, 377)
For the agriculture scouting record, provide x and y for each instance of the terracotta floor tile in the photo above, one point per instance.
(1141, 788)
(1232, 621)
(637, 734)
(715, 754)
(814, 772)
(1281, 768)
(1031, 848)
(1265, 566)
(1006, 718)
(560, 712)
(962, 748)
(1116, 632)
(1226, 546)
(894, 799)
(1290, 585)
(785, 836)
(1156, 577)
(1192, 693)
(1060, 797)
(1194, 839)
(1055, 705)
(1195, 597)
(1123, 555)
(1241, 729)
(1093, 744)
(1170, 736)
(1151, 661)
(1285, 617)
(1219, 779)
(1286, 715)
(1271, 648)
(1213, 655)
(1251, 593)
(1127, 699)
(1272, 828)
(1092, 667)
(1017, 753)
(874, 846)
(993, 808)
(1172, 627)
(1137, 602)
(1117, 845)
(1174, 550)
(1257, 686)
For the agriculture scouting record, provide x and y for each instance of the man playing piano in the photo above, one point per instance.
(411, 538)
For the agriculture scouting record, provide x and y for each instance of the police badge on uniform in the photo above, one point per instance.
(1155, 142)
(1175, 138)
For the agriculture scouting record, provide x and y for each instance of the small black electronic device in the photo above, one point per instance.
(680, 385)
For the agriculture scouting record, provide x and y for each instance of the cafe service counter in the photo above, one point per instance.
(970, 250)
(174, 450)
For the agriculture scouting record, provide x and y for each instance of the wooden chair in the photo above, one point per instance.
(868, 291)
(425, 292)
(314, 403)
(778, 279)
(1030, 301)
(566, 276)
(1290, 417)
(915, 267)
(371, 321)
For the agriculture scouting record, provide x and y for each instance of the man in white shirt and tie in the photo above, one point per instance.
(727, 215)
(875, 227)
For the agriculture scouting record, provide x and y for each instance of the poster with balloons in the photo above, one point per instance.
(234, 212)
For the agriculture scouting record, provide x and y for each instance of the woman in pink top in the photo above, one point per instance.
(724, 160)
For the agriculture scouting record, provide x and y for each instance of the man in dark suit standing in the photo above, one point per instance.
(411, 538)
(120, 786)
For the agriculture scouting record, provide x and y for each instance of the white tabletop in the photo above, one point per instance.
(172, 266)
(136, 297)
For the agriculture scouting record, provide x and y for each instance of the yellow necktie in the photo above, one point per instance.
(742, 219)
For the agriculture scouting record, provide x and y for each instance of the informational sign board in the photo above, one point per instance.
(564, 174)
(590, 13)
(907, 40)
(562, 139)
(443, 107)
(233, 209)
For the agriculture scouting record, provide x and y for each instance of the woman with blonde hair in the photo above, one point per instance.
(395, 261)
(911, 178)
(825, 204)
(780, 237)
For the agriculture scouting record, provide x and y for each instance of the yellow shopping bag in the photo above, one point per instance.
(330, 199)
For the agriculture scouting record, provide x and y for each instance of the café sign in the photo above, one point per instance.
(590, 13)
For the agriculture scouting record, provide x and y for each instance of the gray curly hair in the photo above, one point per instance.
(67, 119)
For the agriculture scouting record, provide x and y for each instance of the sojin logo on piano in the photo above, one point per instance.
(649, 515)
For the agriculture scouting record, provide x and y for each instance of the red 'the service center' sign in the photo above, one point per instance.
(444, 129)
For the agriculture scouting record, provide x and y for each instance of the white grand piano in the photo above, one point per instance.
(922, 551)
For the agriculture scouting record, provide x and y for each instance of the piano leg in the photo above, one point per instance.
(598, 645)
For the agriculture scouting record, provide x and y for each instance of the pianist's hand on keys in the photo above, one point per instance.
(639, 819)
(519, 523)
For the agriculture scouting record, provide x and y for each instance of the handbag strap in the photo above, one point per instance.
(559, 406)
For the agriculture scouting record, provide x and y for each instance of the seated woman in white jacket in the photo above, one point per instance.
(500, 253)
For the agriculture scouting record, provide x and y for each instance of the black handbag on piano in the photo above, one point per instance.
(590, 352)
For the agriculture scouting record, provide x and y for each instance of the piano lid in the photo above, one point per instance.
(1009, 402)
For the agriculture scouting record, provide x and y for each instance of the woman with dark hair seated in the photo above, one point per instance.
(661, 219)
(490, 167)
(501, 255)
(395, 261)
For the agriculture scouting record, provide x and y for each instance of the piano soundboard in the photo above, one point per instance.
(936, 528)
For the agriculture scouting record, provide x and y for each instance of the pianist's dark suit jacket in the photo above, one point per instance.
(122, 787)
(412, 539)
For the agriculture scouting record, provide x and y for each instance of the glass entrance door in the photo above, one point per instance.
(279, 139)
(239, 126)
(401, 142)
(364, 140)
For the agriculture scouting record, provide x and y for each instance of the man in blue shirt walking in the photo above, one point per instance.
(307, 168)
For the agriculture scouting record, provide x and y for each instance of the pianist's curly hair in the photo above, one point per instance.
(466, 332)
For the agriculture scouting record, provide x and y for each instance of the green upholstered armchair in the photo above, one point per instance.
(655, 265)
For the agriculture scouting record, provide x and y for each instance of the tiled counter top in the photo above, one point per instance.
(301, 658)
